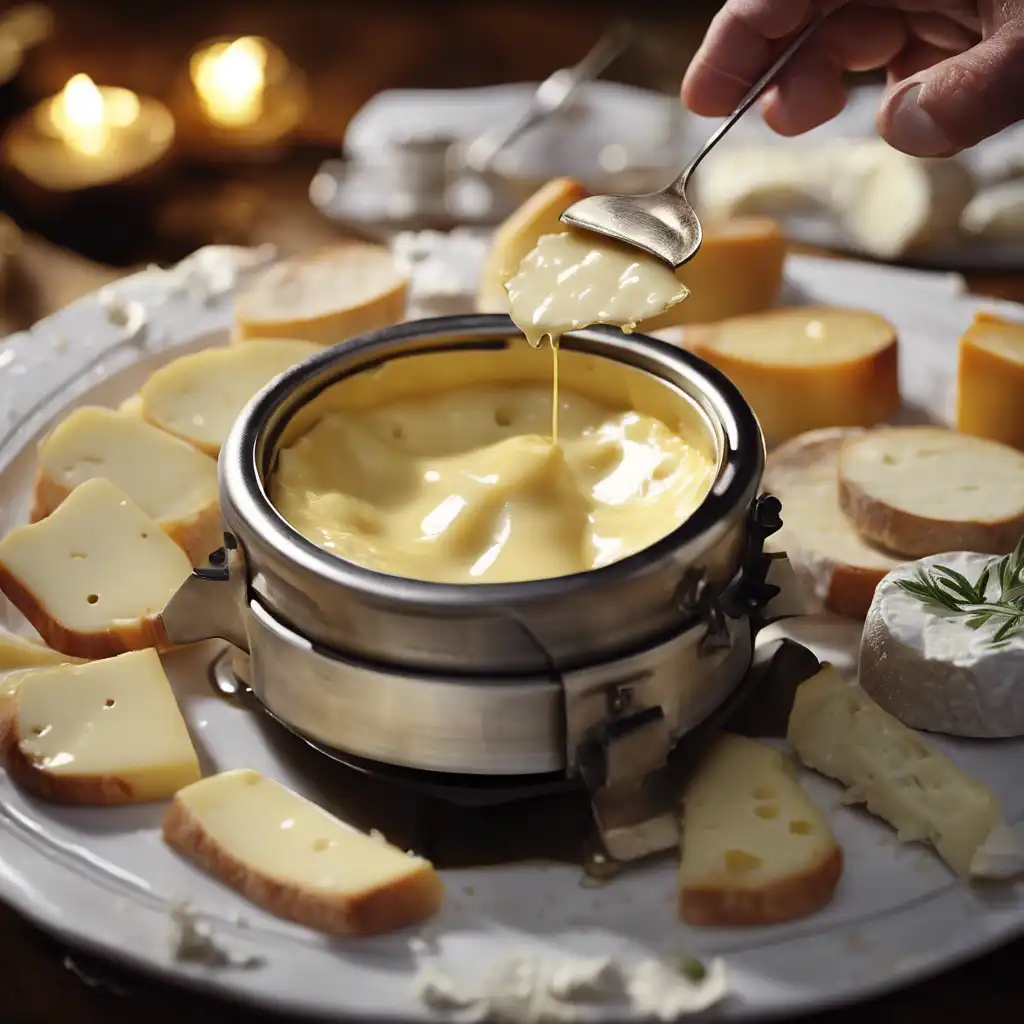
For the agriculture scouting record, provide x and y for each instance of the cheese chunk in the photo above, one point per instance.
(755, 849)
(806, 368)
(996, 214)
(108, 732)
(933, 671)
(294, 859)
(18, 652)
(837, 729)
(199, 396)
(922, 490)
(168, 479)
(93, 576)
(325, 297)
(838, 569)
(518, 235)
(990, 381)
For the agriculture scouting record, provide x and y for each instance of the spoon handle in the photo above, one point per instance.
(679, 185)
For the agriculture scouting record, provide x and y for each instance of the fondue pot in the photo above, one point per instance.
(591, 679)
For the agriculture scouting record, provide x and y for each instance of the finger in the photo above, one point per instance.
(915, 57)
(860, 38)
(960, 101)
(809, 92)
(942, 32)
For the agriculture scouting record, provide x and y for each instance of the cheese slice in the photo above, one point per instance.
(922, 490)
(807, 367)
(990, 381)
(168, 479)
(108, 732)
(838, 730)
(94, 575)
(17, 652)
(294, 859)
(837, 568)
(198, 397)
(518, 235)
(325, 297)
(755, 849)
(933, 671)
(131, 406)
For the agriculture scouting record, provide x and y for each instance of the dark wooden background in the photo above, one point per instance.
(350, 51)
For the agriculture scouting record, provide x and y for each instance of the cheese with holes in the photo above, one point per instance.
(990, 381)
(18, 652)
(108, 732)
(933, 671)
(168, 479)
(198, 397)
(755, 849)
(325, 297)
(838, 730)
(807, 367)
(296, 860)
(94, 575)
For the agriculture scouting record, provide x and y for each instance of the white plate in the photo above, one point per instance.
(103, 879)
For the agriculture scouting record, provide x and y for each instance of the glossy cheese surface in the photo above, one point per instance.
(467, 487)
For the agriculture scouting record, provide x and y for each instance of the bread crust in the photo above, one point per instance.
(729, 903)
(373, 912)
(118, 638)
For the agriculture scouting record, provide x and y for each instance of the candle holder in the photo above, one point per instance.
(86, 163)
(240, 99)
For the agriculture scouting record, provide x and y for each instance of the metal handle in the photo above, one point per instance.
(679, 185)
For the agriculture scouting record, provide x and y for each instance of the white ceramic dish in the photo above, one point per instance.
(102, 879)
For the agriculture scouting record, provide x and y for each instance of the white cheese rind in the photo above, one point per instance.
(294, 859)
(107, 732)
(94, 576)
(838, 730)
(933, 671)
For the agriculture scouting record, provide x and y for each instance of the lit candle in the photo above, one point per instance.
(241, 94)
(87, 136)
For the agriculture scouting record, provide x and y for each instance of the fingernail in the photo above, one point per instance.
(913, 130)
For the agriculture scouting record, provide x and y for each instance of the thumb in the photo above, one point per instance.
(959, 101)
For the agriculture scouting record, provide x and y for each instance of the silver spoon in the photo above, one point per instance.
(664, 223)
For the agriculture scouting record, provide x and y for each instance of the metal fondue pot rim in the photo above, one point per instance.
(249, 509)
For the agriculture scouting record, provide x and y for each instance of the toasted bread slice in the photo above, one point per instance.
(755, 849)
(518, 235)
(838, 730)
(108, 732)
(319, 871)
(923, 490)
(18, 652)
(838, 568)
(990, 381)
(806, 368)
(172, 482)
(325, 297)
(198, 397)
(94, 575)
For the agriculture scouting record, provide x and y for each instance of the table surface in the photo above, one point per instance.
(45, 981)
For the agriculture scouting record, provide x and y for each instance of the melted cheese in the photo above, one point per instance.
(464, 486)
(571, 280)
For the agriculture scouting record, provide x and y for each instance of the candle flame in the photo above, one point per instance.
(230, 79)
(79, 115)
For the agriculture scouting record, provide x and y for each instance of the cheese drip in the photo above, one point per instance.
(464, 487)
(571, 280)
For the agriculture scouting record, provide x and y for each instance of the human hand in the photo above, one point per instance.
(955, 67)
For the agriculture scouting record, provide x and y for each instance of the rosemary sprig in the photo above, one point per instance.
(942, 587)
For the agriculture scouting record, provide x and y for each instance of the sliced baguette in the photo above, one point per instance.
(319, 872)
(806, 368)
(108, 732)
(990, 381)
(325, 297)
(18, 652)
(923, 490)
(838, 568)
(838, 730)
(198, 397)
(94, 575)
(172, 482)
(755, 849)
(518, 235)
